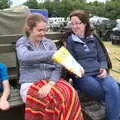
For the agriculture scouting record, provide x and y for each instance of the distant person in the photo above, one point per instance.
(46, 94)
(87, 50)
(4, 87)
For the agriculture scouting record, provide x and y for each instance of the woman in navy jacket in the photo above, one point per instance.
(87, 50)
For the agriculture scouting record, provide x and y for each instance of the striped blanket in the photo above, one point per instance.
(62, 103)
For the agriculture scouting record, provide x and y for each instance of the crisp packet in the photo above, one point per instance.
(63, 57)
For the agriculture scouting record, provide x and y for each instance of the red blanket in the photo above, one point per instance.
(62, 103)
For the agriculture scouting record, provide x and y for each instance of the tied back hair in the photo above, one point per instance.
(31, 22)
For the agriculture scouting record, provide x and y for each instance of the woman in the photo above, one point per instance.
(87, 50)
(47, 96)
(4, 87)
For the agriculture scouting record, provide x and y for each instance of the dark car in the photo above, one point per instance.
(115, 36)
(104, 29)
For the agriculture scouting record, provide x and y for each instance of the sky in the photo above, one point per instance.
(19, 2)
(97, 0)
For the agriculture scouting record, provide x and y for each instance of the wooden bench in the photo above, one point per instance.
(92, 108)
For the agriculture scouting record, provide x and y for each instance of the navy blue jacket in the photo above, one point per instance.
(88, 52)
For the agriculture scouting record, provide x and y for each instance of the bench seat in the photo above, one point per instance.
(93, 109)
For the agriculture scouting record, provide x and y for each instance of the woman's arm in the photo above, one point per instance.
(27, 55)
(101, 56)
(56, 74)
(102, 60)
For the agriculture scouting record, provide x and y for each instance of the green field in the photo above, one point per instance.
(114, 52)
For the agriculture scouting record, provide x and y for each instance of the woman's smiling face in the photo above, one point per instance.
(77, 26)
(39, 31)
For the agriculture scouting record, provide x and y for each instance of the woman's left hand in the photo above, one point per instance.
(43, 91)
(103, 73)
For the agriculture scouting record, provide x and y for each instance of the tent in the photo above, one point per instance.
(12, 20)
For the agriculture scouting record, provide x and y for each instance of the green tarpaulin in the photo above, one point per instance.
(12, 20)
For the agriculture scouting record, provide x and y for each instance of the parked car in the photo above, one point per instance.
(103, 27)
(115, 36)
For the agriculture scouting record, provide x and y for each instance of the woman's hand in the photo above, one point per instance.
(43, 91)
(103, 73)
(82, 71)
(4, 104)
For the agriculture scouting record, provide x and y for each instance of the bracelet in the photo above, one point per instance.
(51, 83)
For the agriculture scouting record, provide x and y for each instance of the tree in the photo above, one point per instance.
(33, 4)
(110, 9)
(4, 4)
(113, 9)
(96, 8)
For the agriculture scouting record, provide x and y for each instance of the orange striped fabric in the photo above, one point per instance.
(62, 103)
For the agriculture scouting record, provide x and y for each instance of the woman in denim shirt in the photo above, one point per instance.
(46, 94)
(87, 50)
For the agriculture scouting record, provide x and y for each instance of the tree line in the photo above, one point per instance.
(110, 9)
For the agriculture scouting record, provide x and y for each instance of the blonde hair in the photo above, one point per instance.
(31, 22)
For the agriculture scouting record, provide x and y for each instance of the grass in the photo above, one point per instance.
(114, 53)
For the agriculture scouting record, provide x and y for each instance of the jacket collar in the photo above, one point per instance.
(31, 43)
(80, 40)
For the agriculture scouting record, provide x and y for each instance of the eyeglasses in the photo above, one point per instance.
(75, 24)
(43, 30)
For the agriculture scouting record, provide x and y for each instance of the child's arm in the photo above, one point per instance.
(4, 105)
(6, 87)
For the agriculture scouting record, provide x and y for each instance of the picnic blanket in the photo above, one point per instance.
(62, 103)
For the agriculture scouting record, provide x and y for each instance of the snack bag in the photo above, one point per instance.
(63, 57)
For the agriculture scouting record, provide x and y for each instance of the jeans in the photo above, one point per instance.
(106, 89)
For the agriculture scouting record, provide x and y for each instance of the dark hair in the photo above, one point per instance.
(84, 17)
(31, 22)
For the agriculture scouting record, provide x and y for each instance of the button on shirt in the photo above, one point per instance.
(3, 75)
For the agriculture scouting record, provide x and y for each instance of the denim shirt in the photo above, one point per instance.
(3, 75)
(36, 63)
(88, 52)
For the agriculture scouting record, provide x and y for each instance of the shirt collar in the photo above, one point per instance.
(78, 39)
